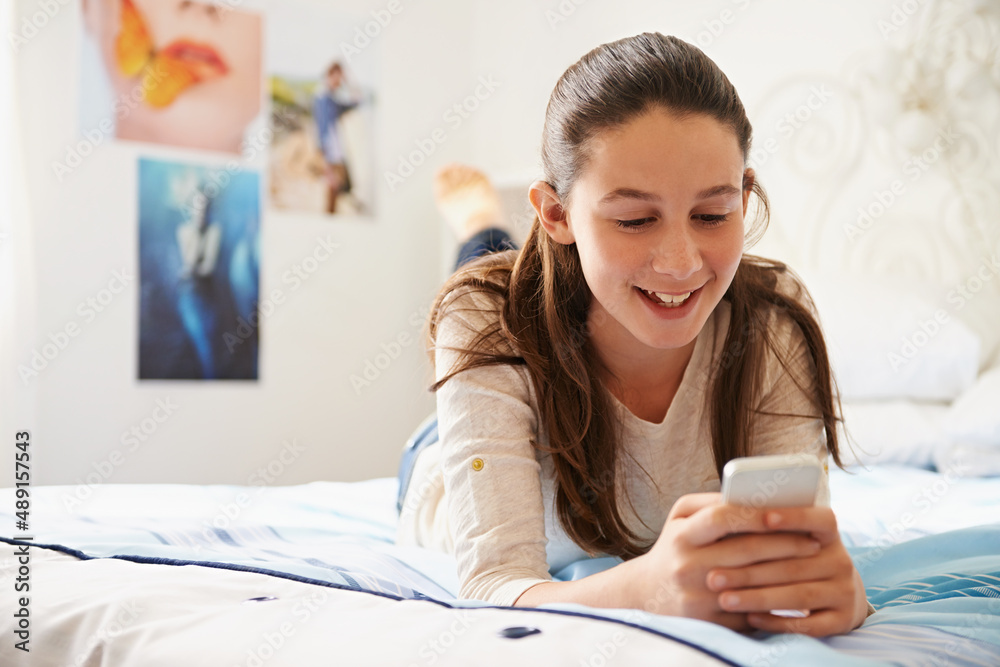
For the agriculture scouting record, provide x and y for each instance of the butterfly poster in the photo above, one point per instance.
(175, 72)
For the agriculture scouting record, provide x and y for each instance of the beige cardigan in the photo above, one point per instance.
(487, 495)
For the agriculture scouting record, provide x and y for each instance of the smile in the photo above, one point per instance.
(667, 300)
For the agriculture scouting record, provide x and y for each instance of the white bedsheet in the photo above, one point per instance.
(110, 611)
(889, 504)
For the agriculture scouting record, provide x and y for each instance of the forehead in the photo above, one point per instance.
(660, 151)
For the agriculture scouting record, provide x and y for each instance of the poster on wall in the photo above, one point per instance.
(322, 83)
(185, 74)
(199, 272)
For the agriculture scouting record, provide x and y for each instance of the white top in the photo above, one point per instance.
(487, 495)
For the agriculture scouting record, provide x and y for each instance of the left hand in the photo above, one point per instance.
(826, 584)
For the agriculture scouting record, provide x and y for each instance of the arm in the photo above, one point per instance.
(496, 512)
(670, 578)
(350, 105)
(493, 489)
(615, 588)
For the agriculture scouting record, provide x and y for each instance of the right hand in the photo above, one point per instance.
(702, 533)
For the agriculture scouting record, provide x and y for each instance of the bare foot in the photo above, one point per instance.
(467, 200)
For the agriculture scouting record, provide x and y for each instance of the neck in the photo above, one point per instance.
(645, 372)
(638, 375)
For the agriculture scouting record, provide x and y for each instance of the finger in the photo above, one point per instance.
(712, 523)
(819, 624)
(776, 562)
(820, 522)
(690, 503)
(741, 551)
(811, 595)
(826, 564)
(773, 573)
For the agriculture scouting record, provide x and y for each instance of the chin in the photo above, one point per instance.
(666, 340)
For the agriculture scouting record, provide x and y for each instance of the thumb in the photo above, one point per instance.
(690, 503)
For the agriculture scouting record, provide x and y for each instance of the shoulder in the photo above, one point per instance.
(470, 305)
(780, 313)
(478, 367)
(787, 354)
(468, 333)
(780, 295)
(771, 290)
(780, 321)
(465, 316)
(789, 284)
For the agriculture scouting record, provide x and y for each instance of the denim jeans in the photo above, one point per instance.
(483, 243)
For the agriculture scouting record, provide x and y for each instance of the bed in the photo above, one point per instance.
(309, 574)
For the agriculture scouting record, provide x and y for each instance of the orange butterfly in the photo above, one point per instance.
(167, 72)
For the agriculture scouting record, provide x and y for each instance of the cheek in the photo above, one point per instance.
(246, 67)
(611, 270)
(601, 256)
(243, 44)
(725, 254)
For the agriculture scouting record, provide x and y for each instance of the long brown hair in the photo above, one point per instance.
(543, 298)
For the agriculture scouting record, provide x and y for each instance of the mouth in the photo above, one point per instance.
(201, 60)
(666, 300)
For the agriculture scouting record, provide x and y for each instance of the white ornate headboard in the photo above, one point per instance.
(891, 172)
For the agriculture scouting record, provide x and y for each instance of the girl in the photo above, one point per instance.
(591, 386)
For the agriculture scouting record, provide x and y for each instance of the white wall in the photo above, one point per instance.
(432, 56)
(383, 273)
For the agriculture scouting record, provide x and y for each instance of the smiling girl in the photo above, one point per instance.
(592, 385)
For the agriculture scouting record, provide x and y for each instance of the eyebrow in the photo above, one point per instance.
(726, 189)
(631, 193)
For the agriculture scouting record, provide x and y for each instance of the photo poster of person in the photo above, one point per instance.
(173, 72)
(198, 271)
(321, 70)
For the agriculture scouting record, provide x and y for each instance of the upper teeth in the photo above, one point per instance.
(671, 298)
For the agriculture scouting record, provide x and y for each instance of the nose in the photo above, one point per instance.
(675, 253)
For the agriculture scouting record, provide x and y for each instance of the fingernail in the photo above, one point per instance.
(730, 600)
(773, 519)
(814, 545)
(719, 581)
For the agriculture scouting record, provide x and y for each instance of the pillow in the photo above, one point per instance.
(974, 417)
(966, 460)
(902, 432)
(887, 342)
(973, 429)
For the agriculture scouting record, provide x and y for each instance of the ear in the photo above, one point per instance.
(749, 177)
(551, 213)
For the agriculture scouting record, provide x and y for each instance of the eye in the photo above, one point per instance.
(634, 224)
(712, 220)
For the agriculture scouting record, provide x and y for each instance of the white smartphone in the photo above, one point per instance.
(781, 480)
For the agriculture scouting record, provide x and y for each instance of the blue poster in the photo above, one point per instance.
(198, 268)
